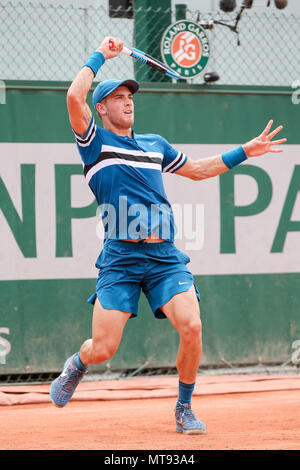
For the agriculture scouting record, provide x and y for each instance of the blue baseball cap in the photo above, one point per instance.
(105, 88)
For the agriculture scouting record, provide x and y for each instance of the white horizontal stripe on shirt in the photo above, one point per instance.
(120, 150)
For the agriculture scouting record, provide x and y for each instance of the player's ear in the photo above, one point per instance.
(101, 108)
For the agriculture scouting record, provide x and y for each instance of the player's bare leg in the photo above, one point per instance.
(107, 332)
(184, 314)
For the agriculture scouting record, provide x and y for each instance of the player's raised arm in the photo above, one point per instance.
(79, 112)
(213, 166)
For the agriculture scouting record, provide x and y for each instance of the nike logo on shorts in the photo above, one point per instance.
(152, 143)
(180, 282)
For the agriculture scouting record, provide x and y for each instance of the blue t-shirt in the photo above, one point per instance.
(125, 176)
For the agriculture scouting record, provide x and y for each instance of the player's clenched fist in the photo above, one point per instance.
(110, 47)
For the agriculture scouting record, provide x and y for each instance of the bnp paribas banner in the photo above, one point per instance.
(246, 221)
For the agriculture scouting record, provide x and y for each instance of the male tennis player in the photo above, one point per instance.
(124, 171)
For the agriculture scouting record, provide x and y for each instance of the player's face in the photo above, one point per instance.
(120, 108)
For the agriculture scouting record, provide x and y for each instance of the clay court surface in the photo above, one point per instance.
(242, 412)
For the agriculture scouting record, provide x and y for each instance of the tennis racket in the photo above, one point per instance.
(148, 60)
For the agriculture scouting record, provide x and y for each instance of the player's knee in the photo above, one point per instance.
(192, 332)
(195, 330)
(103, 352)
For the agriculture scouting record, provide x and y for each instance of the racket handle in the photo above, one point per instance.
(126, 51)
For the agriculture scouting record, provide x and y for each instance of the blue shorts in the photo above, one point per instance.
(125, 268)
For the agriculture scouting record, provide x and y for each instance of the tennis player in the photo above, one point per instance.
(124, 171)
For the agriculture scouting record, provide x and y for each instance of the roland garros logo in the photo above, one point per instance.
(185, 48)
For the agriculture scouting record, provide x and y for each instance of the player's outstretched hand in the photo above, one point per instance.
(110, 47)
(264, 143)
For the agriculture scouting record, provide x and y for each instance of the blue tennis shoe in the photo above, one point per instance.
(186, 421)
(63, 387)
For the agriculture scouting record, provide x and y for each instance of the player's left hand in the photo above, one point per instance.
(264, 143)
